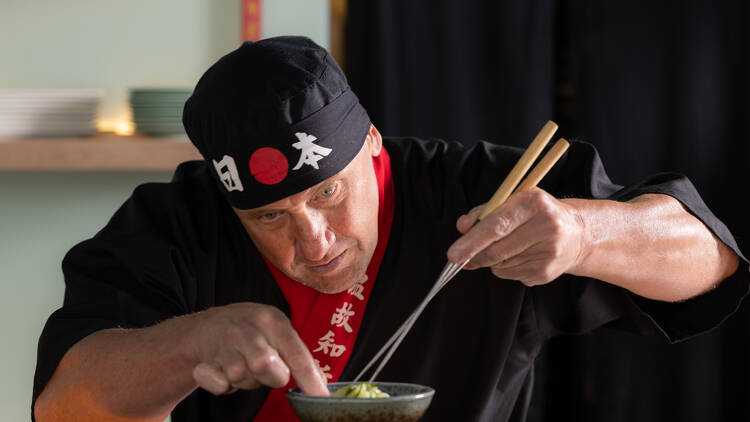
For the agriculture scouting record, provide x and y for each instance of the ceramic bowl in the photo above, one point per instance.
(407, 403)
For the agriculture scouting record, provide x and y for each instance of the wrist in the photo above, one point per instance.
(188, 330)
(589, 235)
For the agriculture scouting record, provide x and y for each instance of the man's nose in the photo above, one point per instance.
(314, 239)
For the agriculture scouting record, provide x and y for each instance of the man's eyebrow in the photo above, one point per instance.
(262, 211)
(313, 189)
(328, 182)
(255, 213)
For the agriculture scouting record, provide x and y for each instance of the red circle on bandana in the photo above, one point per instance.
(268, 166)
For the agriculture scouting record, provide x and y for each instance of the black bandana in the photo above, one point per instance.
(274, 118)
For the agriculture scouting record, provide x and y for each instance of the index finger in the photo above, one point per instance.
(282, 337)
(466, 221)
(494, 227)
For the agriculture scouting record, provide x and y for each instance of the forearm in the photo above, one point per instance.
(651, 246)
(127, 375)
(118, 374)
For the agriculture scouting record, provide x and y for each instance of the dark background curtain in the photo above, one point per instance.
(655, 85)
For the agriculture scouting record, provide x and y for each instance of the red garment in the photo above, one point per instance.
(328, 323)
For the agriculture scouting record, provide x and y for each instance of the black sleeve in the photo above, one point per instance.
(573, 305)
(139, 270)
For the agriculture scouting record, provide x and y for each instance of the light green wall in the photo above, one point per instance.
(110, 45)
(113, 45)
(41, 216)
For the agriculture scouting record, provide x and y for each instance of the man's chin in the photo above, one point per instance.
(331, 285)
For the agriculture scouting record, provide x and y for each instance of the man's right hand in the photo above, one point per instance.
(143, 373)
(246, 345)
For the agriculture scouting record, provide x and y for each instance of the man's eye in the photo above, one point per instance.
(327, 192)
(269, 216)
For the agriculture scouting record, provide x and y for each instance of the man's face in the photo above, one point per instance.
(323, 237)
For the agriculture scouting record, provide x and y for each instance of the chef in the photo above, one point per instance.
(304, 239)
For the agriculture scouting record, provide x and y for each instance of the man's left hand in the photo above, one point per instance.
(533, 238)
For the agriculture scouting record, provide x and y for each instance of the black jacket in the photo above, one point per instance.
(176, 248)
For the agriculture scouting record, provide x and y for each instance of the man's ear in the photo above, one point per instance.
(374, 140)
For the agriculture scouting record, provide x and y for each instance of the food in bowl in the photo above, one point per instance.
(362, 390)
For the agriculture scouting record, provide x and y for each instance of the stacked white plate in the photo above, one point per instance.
(47, 113)
(158, 111)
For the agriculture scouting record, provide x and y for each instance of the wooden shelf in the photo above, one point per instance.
(100, 153)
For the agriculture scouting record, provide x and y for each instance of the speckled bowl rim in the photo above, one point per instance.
(429, 392)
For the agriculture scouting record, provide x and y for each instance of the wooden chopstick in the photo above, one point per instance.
(544, 165)
(522, 166)
(500, 196)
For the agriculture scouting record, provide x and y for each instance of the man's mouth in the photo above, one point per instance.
(330, 266)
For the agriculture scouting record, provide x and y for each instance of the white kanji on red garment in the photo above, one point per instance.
(328, 347)
(340, 318)
(325, 370)
(357, 289)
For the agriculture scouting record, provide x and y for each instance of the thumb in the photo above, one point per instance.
(210, 378)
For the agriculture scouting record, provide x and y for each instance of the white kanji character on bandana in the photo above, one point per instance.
(227, 171)
(326, 345)
(340, 318)
(311, 152)
(325, 370)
